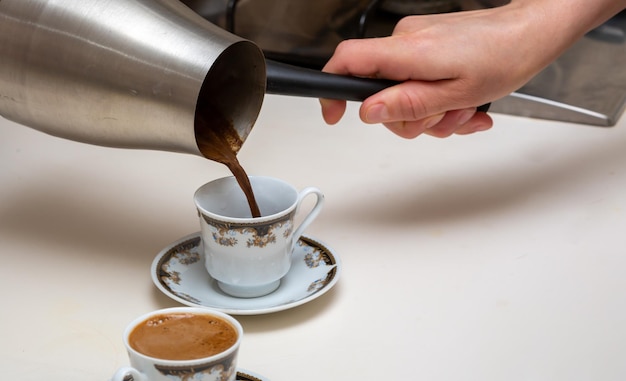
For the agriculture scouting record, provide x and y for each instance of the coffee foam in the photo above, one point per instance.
(182, 336)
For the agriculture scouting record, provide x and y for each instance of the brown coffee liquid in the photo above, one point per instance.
(218, 141)
(182, 336)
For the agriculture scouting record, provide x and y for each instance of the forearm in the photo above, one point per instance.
(579, 15)
(563, 22)
(533, 33)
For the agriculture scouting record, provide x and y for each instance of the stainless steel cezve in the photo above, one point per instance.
(123, 73)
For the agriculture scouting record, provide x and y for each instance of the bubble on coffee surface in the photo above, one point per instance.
(159, 320)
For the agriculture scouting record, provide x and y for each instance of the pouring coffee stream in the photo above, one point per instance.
(218, 141)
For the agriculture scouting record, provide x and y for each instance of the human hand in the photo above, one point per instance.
(449, 64)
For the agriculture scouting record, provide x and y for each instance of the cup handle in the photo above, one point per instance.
(127, 373)
(312, 213)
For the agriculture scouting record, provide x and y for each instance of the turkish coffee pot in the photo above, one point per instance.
(137, 73)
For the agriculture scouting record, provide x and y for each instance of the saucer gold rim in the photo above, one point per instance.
(320, 266)
(245, 375)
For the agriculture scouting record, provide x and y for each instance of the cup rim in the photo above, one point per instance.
(246, 220)
(196, 310)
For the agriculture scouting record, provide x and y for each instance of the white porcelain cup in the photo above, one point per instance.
(218, 367)
(249, 256)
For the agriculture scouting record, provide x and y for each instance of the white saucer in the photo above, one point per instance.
(244, 375)
(178, 271)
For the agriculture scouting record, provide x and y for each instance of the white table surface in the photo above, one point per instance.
(495, 256)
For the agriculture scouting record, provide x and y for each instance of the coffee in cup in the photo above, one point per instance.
(182, 336)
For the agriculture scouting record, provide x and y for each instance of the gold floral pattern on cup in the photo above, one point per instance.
(254, 235)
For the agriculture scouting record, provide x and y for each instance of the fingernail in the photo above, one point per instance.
(483, 127)
(466, 115)
(377, 113)
(431, 121)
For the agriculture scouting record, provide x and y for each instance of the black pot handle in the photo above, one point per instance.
(285, 79)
